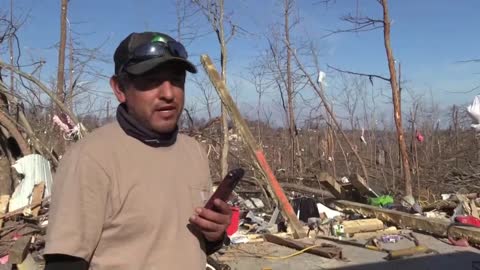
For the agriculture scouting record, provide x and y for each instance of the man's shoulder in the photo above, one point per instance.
(191, 143)
(184, 138)
(99, 140)
(188, 140)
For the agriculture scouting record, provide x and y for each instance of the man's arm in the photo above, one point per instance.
(78, 208)
(62, 262)
(212, 247)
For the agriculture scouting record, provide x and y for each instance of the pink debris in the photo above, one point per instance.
(419, 136)
(4, 259)
(64, 127)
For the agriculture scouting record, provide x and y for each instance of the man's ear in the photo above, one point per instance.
(116, 89)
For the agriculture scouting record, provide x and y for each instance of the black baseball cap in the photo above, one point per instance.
(141, 52)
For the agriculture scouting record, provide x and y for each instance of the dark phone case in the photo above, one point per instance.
(226, 187)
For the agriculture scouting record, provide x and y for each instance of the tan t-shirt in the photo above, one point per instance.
(123, 205)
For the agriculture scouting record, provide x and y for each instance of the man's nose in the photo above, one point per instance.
(165, 91)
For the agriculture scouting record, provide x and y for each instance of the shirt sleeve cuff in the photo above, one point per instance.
(212, 247)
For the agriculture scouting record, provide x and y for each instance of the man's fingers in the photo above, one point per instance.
(213, 216)
(206, 225)
(222, 207)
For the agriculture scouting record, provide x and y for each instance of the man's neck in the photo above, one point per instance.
(137, 130)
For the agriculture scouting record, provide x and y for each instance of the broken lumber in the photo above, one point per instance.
(314, 191)
(326, 250)
(366, 235)
(4, 199)
(37, 196)
(19, 250)
(359, 183)
(331, 185)
(255, 150)
(436, 227)
(362, 225)
(441, 205)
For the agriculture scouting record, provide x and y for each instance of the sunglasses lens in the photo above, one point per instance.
(148, 51)
(177, 49)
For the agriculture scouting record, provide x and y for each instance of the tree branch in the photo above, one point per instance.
(60, 105)
(370, 76)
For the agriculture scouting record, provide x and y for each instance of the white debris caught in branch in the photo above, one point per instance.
(474, 113)
(321, 78)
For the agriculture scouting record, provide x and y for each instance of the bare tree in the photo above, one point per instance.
(396, 100)
(288, 8)
(368, 24)
(208, 98)
(10, 46)
(214, 11)
(61, 51)
(257, 78)
(318, 88)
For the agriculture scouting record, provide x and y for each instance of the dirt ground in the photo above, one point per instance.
(241, 257)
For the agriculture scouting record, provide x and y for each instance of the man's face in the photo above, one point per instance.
(155, 98)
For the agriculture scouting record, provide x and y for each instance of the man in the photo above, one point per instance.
(130, 195)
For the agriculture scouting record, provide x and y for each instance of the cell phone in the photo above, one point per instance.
(226, 187)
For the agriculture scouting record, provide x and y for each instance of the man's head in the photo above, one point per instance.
(150, 71)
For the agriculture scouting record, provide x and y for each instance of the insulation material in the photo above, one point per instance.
(36, 169)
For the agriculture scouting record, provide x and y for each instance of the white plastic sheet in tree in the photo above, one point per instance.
(36, 169)
(474, 112)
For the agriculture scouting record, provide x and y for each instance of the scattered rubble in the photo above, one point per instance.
(386, 225)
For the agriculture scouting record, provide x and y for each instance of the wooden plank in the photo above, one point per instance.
(436, 227)
(369, 235)
(299, 188)
(19, 250)
(359, 183)
(4, 199)
(327, 250)
(331, 185)
(37, 197)
(255, 150)
(362, 225)
(441, 205)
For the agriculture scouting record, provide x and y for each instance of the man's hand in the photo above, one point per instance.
(213, 224)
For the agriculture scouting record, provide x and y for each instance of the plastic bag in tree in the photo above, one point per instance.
(474, 112)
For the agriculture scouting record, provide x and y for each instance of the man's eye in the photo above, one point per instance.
(178, 79)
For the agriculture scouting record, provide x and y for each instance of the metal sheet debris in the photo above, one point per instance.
(36, 169)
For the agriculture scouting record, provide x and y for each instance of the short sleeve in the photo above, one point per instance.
(78, 206)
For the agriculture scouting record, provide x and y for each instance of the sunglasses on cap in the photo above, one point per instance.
(156, 49)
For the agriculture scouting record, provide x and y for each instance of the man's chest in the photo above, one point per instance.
(159, 193)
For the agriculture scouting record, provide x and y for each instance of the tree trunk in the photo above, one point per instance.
(71, 72)
(396, 96)
(61, 52)
(295, 151)
(10, 45)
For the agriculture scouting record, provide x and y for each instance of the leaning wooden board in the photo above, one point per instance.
(255, 149)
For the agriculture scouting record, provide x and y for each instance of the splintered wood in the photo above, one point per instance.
(255, 150)
(4, 199)
(37, 197)
(331, 185)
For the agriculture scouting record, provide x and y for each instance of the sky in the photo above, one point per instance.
(429, 38)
